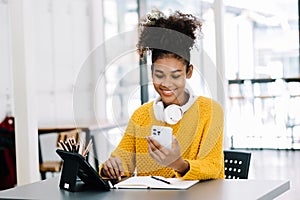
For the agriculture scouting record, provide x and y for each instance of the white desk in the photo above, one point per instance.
(227, 189)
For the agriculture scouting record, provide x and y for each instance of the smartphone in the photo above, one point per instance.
(163, 135)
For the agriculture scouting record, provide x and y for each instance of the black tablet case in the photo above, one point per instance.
(75, 165)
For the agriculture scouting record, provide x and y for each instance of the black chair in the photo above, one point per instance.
(236, 164)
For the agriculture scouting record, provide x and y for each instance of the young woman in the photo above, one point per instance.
(196, 122)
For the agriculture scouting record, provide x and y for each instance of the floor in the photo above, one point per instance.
(277, 165)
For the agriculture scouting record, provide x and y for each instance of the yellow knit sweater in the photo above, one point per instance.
(199, 133)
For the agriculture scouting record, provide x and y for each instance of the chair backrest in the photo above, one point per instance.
(236, 164)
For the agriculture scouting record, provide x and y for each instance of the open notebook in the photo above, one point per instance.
(148, 182)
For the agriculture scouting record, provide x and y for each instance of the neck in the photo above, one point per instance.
(186, 98)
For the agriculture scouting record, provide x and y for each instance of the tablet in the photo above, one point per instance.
(84, 171)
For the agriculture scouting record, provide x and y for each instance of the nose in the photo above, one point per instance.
(166, 82)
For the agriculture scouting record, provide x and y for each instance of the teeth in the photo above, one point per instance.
(168, 92)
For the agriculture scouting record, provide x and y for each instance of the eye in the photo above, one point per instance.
(175, 76)
(158, 76)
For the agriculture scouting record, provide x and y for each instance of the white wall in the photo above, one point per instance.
(65, 40)
(5, 69)
(58, 37)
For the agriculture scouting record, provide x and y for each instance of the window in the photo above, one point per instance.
(261, 53)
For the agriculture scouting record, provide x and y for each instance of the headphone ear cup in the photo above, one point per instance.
(172, 114)
(159, 111)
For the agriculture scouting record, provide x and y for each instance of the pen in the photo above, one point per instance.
(167, 182)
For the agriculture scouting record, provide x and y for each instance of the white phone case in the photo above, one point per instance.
(163, 135)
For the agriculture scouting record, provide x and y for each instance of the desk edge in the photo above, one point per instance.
(275, 193)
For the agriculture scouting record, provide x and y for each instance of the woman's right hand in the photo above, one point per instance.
(113, 168)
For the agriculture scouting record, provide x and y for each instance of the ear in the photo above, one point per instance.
(190, 72)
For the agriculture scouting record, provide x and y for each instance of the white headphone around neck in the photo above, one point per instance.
(172, 113)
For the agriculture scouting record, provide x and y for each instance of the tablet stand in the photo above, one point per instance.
(69, 174)
(75, 165)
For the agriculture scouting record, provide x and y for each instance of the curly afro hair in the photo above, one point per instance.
(163, 35)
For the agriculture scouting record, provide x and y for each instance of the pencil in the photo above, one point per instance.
(87, 149)
(63, 145)
(70, 144)
(77, 147)
(60, 146)
(83, 146)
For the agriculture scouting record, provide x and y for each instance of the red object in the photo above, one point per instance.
(8, 180)
(7, 154)
(8, 123)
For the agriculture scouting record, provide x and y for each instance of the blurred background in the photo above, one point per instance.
(247, 59)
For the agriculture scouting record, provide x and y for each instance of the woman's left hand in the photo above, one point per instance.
(167, 157)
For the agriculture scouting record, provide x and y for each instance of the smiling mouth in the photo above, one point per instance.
(168, 92)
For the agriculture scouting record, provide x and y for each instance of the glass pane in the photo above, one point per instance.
(122, 71)
(262, 60)
(262, 39)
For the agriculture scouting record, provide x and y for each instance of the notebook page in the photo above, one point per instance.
(148, 182)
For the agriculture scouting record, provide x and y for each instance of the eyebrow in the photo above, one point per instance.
(160, 71)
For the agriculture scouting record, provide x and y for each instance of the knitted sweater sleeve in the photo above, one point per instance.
(126, 149)
(210, 161)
